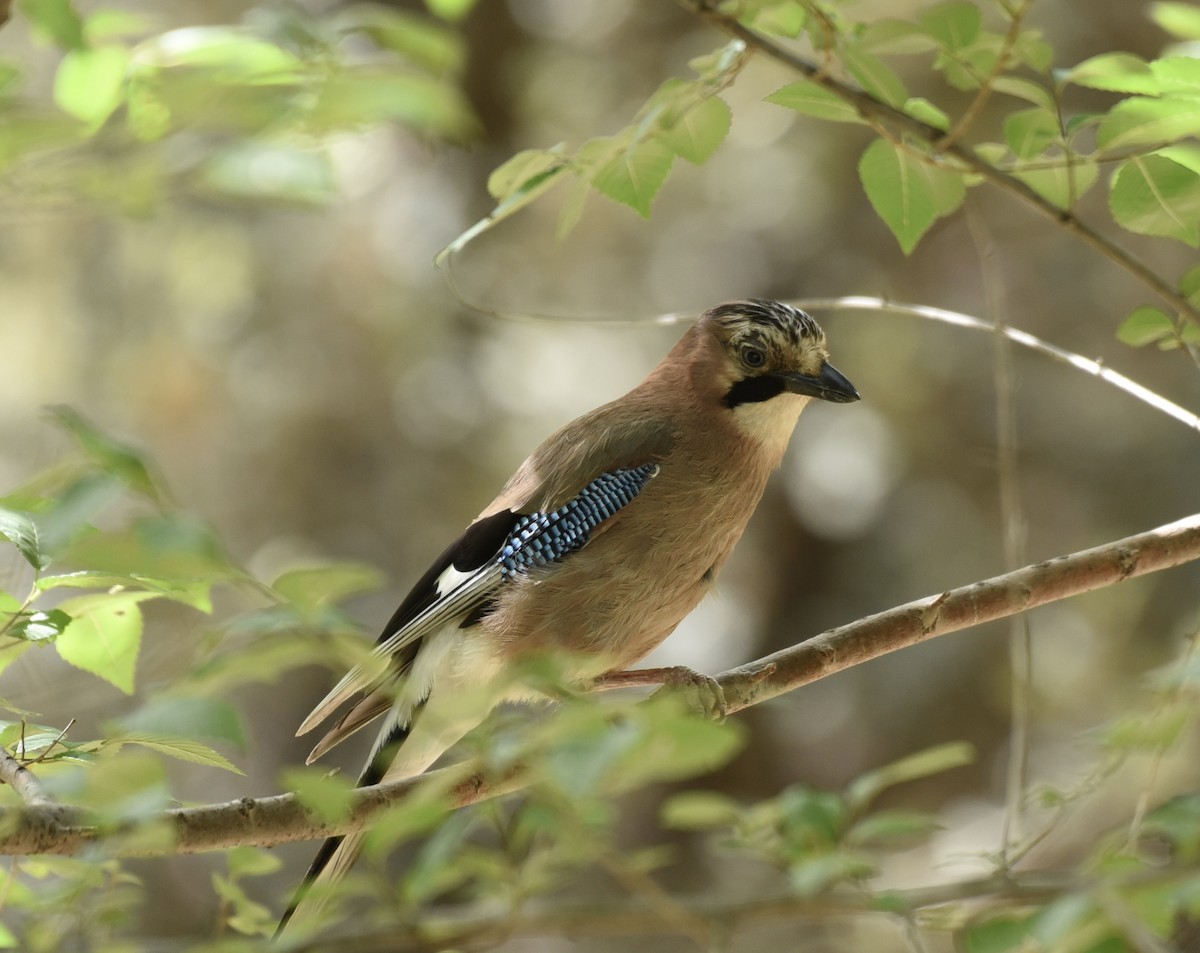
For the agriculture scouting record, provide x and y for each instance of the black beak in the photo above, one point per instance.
(831, 384)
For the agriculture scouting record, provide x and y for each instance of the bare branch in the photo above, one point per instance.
(995, 598)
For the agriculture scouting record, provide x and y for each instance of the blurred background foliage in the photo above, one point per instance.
(220, 226)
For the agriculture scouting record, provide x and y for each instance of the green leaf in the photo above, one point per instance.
(196, 594)
(813, 99)
(696, 135)
(104, 635)
(522, 171)
(186, 717)
(875, 76)
(1145, 325)
(529, 190)
(780, 19)
(895, 36)
(927, 112)
(906, 193)
(699, 811)
(329, 797)
(891, 829)
(1177, 75)
(176, 550)
(1189, 284)
(251, 862)
(1147, 733)
(1029, 132)
(424, 42)
(815, 875)
(55, 19)
(7, 940)
(90, 83)
(1139, 121)
(367, 95)
(22, 532)
(953, 25)
(936, 760)
(182, 749)
(1115, 72)
(1186, 154)
(319, 586)
(1061, 185)
(74, 508)
(1152, 195)
(636, 174)
(111, 456)
(452, 10)
(1024, 89)
(40, 626)
(1180, 19)
(1032, 49)
(226, 55)
(998, 934)
(1178, 822)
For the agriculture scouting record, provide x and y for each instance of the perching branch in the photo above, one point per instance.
(879, 112)
(23, 781)
(54, 829)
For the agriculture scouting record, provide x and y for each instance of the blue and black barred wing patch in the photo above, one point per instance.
(450, 592)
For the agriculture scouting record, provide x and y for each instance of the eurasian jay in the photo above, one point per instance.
(603, 540)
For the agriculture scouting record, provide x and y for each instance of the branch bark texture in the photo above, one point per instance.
(56, 829)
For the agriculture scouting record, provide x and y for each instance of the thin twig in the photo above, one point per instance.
(871, 108)
(983, 94)
(1025, 339)
(1012, 521)
(50, 747)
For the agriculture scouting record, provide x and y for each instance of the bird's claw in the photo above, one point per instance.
(703, 693)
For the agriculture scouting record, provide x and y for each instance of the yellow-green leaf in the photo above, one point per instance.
(907, 194)
(1140, 121)
(104, 635)
(813, 99)
(699, 131)
(90, 83)
(636, 174)
(1115, 72)
(1153, 195)
(1145, 325)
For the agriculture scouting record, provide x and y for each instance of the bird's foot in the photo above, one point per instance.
(702, 693)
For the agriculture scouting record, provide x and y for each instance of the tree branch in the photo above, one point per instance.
(263, 822)
(878, 111)
(23, 781)
(996, 598)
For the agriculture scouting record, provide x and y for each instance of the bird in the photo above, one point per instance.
(603, 540)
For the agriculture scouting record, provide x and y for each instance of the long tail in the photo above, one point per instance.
(338, 854)
(402, 751)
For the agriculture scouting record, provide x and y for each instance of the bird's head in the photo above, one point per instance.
(768, 349)
(764, 361)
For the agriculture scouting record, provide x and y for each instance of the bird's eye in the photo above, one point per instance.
(753, 357)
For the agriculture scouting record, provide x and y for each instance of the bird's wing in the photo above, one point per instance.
(463, 580)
